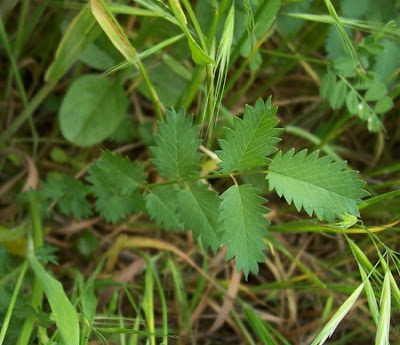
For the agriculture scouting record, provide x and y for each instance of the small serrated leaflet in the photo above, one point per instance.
(251, 140)
(318, 185)
(176, 154)
(244, 226)
(198, 208)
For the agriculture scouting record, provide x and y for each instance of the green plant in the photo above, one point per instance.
(109, 69)
(185, 200)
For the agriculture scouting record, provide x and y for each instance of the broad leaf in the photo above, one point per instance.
(63, 312)
(338, 96)
(176, 151)
(318, 185)
(244, 226)
(383, 105)
(328, 84)
(251, 140)
(376, 92)
(354, 9)
(199, 211)
(162, 205)
(92, 110)
(116, 181)
(352, 102)
(386, 63)
(70, 194)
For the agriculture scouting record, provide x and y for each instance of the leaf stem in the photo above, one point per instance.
(204, 177)
(37, 290)
(28, 111)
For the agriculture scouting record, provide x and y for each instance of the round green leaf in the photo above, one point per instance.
(328, 84)
(338, 96)
(383, 105)
(376, 92)
(352, 102)
(92, 110)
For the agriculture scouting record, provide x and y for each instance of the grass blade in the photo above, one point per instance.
(330, 327)
(373, 306)
(80, 33)
(383, 329)
(7, 318)
(64, 314)
(148, 304)
(120, 41)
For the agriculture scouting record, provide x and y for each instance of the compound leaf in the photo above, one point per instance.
(199, 211)
(251, 140)
(70, 194)
(318, 185)
(162, 205)
(116, 181)
(176, 151)
(244, 226)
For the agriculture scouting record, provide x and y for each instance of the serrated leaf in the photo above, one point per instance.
(176, 153)
(116, 181)
(70, 195)
(318, 185)
(251, 140)
(383, 105)
(162, 204)
(199, 211)
(244, 226)
(114, 207)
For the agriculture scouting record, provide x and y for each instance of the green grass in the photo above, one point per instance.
(77, 270)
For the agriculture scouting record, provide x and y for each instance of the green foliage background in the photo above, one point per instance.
(130, 129)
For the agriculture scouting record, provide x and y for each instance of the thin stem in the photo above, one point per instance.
(20, 84)
(378, 198)
(196, 24)
(205, 177)
(210, 73)
(156, 102)
(14, 296)
(28, 111)
(37, 291)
